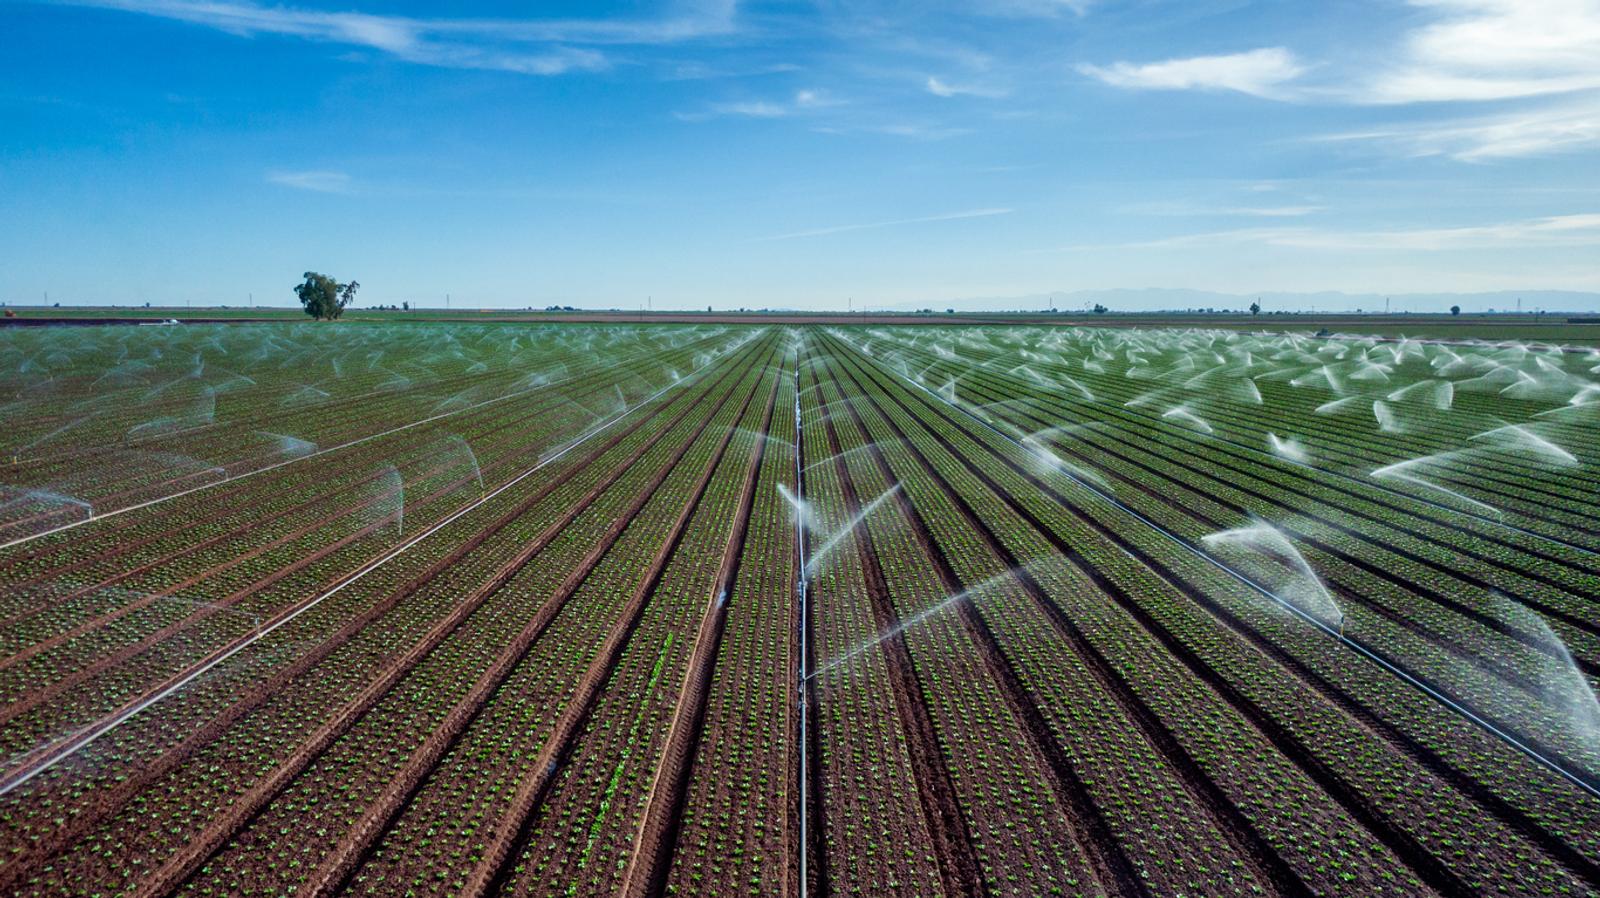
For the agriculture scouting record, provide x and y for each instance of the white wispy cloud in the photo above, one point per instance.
(1492, 50)
(1271, 211)
(1518, 133)
(1462, 51)
(1034, 8)
(940, 88)
(1197, 209)
(814, 99)
(529, 46)
(917, 131)
(839, 229)
(1579, 229)
(1537, 61)
(908, 130)
(700, 70)
(315, 181)
(1469, 50)
(757, 109)
(1262, 73)
(801, 101)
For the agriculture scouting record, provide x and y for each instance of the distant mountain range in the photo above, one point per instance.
(1157, 299)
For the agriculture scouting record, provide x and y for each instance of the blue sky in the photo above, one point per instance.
(794, 154)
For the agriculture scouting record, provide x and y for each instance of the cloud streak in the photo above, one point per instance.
(1465, 51)
(1520, 133)
(1260, 73)
(803, 100)
(314, 181)
(940, 88)
(1034, 8)
(526, 46)
(1580, 229)
(840, 229)
(1193, 209)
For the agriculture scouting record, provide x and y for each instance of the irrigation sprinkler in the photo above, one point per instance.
(1334, 631)
(230, 478)
(848, 527)
(915, 620)
(76, 742)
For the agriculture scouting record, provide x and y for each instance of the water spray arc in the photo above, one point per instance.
(1266, 548)
(1243, 579)
(847, 527)
(1286, 450)
(69, 746)
(969, 594)
(1398, 471)
(230, 478)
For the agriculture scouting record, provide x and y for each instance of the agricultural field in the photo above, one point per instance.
(531, 608)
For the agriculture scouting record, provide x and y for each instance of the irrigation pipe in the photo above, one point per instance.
(802, 688)
(1349, 642)
(87, 736)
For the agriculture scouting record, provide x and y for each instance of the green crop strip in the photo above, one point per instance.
(622, 763)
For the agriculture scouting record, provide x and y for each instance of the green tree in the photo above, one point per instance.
(323, 297)
(1455, 310)
(1099, 309)
(1255, 308)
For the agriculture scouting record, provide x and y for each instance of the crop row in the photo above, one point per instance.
(1018, 607)
(1110, 401)
(233, 743)
(141, 647)
(355, 479)
(127, 543)
(359, 418)
(735, 828)
(1230, 407)
(1156, 572)
(1386, 540)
